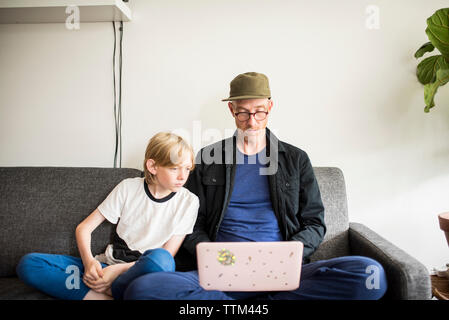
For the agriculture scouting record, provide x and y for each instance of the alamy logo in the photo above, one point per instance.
(212, 153)
(73, 280)
(373, 281)
(372, 22)
(73, 21)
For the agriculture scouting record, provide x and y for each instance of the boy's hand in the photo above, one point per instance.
(103, 283)
(93, 271)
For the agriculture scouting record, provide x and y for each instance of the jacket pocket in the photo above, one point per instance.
(290, 195)
(213, 180)
(290, 184)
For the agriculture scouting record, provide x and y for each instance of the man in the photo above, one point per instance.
(253, 187)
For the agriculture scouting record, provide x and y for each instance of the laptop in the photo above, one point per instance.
(249, 266)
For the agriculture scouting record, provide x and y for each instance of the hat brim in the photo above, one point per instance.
(245, 97)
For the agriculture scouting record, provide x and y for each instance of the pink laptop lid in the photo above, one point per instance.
(249, 266)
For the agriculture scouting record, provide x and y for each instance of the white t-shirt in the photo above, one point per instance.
(145, 222)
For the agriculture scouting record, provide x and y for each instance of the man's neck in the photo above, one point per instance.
(250, 145)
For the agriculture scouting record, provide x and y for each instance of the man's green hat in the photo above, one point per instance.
(250, 85)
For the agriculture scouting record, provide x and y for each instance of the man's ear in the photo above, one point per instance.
(231, 108)
(151, 166)
(270, 105)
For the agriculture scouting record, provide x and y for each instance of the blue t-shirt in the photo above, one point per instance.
(250, 215)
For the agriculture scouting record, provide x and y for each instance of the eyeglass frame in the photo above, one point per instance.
(251, 114)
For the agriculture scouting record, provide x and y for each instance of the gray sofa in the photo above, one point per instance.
(41, 206)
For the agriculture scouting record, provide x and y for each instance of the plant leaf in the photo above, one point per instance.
(431, 89)
(426, 47)
(427, 69)
(438, 30)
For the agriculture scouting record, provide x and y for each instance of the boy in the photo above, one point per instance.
(153, 215)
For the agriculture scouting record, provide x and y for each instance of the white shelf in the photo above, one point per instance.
(54, 11)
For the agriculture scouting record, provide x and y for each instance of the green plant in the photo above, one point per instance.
(433, 72)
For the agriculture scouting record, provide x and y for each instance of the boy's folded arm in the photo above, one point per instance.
(173, 244)
(83, 235)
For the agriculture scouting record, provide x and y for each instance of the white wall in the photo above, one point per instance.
(344, 93)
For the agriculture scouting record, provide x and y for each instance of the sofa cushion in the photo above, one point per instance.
(40, 208)
(11, 288)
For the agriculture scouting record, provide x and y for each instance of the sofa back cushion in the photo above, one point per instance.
(40, 208)
(333, 193)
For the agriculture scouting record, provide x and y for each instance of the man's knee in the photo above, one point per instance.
(158, 260)
(153, 286)
(364, 277)
(374, 285)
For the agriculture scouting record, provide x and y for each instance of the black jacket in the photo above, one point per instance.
(294, 194)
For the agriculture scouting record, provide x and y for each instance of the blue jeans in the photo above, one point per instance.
(350, 277)
(60, 276)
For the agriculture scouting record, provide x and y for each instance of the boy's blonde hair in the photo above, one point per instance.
(167, 150)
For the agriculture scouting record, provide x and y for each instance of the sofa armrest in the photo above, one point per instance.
(407, 277)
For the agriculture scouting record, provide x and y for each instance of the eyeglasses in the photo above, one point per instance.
(244, 116)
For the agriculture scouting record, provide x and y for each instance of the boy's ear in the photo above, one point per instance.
(151, 166)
